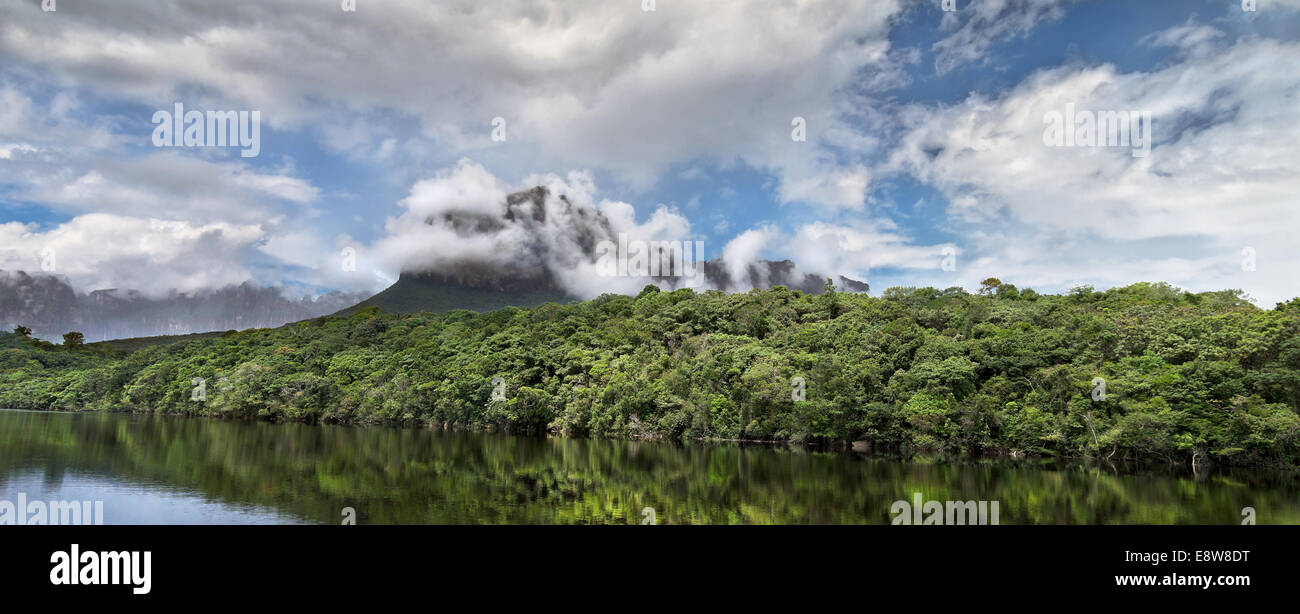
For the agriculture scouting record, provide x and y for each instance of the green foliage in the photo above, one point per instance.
(1004, 371)
(990, 286)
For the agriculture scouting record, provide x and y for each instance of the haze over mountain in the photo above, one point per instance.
(540, 245)
(466, 252)
(51, 307)
(485, 250)
(415, 292)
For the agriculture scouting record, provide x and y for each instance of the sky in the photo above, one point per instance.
(925, 157)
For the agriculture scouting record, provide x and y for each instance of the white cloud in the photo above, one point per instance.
(844, 187)
(979, 24)
(744, 249)
(856, 248)
(99, 251)
(591, 84)
(164, 185)
(53, 157)
(1218, 179)
(458, 223)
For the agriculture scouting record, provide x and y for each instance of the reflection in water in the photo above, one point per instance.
(126, 502)
(185, 470)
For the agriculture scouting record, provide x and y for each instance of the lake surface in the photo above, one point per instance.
(164, 470)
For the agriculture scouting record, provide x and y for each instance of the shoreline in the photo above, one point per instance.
(1131, 465)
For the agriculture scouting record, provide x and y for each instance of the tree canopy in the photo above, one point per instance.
(1140, 372)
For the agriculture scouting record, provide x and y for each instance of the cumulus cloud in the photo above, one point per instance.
(191, 208)
(856, 248)
(843, 187)
(743, 250)
(590, 84)
(167, 185)
(59, 160)
(466, 224)
(101, 251)
(1217, 180)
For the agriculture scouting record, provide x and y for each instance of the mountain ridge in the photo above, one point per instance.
(51, 307)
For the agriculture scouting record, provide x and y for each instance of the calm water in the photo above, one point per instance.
(180, 470)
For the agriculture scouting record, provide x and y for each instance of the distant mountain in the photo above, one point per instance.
(415, 292)
(50, 307)
(768, 273)
(547, 235)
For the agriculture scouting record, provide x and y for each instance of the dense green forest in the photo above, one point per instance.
(1141, 372)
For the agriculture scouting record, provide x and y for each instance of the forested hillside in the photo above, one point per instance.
(1145, 371)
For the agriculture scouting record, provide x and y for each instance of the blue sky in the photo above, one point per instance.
(924, 138)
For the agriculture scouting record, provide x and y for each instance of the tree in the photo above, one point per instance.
(73, 339)
(989, 286)
(831, 298)
(22, 331)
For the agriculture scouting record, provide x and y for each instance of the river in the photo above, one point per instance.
(172, 470)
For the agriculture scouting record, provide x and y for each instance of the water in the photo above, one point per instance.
(197, 471)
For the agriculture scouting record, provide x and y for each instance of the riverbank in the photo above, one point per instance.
(855, 448)
(1144, 372)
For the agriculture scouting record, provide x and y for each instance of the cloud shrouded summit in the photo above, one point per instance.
(465, 227)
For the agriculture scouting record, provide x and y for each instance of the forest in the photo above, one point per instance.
(1145, 372)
